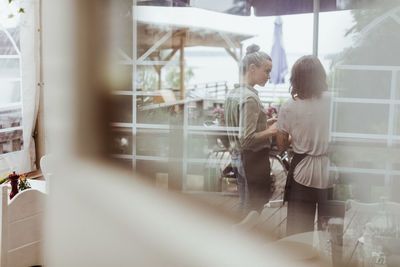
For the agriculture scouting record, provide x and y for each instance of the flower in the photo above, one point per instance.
(219, 114)
(271, 111)
(23, 183)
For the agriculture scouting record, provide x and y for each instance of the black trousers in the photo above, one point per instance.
(257, 171)
(303, 202)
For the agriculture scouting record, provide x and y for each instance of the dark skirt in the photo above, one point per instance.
(257, 171)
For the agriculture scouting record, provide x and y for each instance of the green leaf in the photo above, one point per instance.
(10, 16)
(21, 10)
(9, 1)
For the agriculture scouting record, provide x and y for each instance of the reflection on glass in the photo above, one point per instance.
(362, 118)
(180, 76)
(121, 108)
(155, 114)
(152, 143)
(157, 172)
(10, 117)
(11, 141)
(396, 120)
(358, 83)
(7, 47)
(121, 141)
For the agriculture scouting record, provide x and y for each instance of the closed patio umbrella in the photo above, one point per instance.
(278, 55)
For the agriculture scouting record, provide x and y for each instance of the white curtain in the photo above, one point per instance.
(24, 160)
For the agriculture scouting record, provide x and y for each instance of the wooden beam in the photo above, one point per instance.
(156, 67)
(155, 46)
(182, 67)
(180, 32)
(173, 52)
(232, 54)
(196, 39)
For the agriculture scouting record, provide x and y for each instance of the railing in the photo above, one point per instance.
(218, 90)
(274, 93)
(211, 90)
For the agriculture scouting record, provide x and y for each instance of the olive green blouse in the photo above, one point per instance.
(243, 109)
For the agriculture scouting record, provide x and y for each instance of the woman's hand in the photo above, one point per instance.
(282, 140)
(271, 122)
(273, 128)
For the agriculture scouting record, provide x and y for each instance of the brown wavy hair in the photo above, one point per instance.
(308, 78)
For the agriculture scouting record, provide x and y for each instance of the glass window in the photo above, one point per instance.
(11, 130)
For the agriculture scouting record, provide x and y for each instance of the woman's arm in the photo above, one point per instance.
(270, 131)
(250, 138)
(282, 140)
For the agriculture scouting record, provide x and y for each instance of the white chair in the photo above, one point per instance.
(22, 228)
(44, 166)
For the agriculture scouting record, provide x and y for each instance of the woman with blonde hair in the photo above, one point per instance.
(251, 144)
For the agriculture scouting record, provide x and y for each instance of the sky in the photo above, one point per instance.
(297, 32)
(297, 29)
(297, 36)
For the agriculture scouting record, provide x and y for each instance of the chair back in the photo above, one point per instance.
(22, 228)
(44, 166)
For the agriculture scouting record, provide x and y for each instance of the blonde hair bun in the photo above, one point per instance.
(252, 49)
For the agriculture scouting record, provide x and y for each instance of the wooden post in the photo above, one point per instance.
(159, 68)
(240, 61)
(159, 77)
(182, 66)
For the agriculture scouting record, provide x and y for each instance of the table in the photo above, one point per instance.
(35, 184)
(39, 185)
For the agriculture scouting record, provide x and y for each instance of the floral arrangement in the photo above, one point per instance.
(272, 112)
(22, 181)
(219, 115)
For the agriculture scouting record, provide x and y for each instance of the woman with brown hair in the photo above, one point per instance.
(305, 117)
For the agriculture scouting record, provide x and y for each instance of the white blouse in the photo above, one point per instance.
(307, 121)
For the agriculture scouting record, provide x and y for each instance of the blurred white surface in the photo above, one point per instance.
(120, 221)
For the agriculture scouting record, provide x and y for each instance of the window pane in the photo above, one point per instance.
(6, 46)
(396, 120)
(152, 143)
(10, 92)
(155, 171)
(11, 141)
(361, 118)
(10, 117)
(364, 156)
(397, 91)
(363, 83)
(9, 68)
(121, 141)
(121, 110)
(365, 187)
